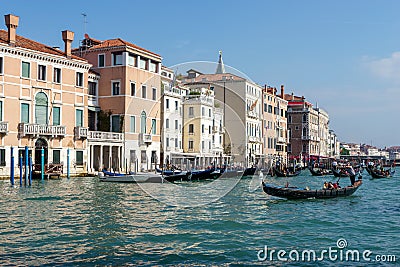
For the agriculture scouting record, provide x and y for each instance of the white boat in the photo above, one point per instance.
(132, 178)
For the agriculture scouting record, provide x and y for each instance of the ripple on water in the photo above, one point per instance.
(84, 222)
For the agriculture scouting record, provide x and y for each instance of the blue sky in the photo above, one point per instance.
(343, 55)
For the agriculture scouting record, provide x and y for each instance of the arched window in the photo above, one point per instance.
(304, 117)
(41, 116)
(143, 118)
(304, 132)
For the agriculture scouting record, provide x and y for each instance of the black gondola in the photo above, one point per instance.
(319, 172)
(380, 174)
(249, 171)
(288, 173)
(297, 193)
(339, 173)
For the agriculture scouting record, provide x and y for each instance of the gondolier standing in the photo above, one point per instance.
(352, 174)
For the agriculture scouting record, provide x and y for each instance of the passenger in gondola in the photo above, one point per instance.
(330, 185)
(325, 185)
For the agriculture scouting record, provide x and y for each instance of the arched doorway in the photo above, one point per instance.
(39, 144)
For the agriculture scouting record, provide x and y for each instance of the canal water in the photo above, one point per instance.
(84, 222)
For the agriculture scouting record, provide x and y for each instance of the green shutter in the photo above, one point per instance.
(56, 116)
(25, 113)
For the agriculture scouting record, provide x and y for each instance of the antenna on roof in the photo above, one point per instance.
(84, 22)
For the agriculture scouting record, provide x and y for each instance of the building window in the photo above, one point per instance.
(117, 58)
(202, 144)
(289, 119)
(143, 156)
(191, 129)
(57, 75)
(269, 109)
(191, 111)
(167, 142)
(42, 72)
(2, 157)
(153, 126)
(154, 96)
(133, 89)
(26, 69)
(143, 118)
(115, 88)
(79, 118)
(1, 65)
(133, 124)
(144, 89)
(304, 117)
(176, 124)
(56, 116)
(209, 113)
(79, 158)
(1, 110)
(101, 61)
(202, 128)
(56, 157)
(176, 105)
(131, 60)
(304, 132)
(25, 113)
(142, 64)
(79, 79)
(41, 103)
(92, 88)
(202, 111)
(167, 103)
(115, 123)
(167, 123)
(153, 67)
(190, 144)
(176, 142)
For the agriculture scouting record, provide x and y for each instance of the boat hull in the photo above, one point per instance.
(133, 178)
(296, 193)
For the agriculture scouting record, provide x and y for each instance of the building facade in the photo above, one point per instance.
(128, 97)
(43, 100)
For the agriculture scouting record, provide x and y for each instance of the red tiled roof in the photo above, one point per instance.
(119, 42)
(32, 45)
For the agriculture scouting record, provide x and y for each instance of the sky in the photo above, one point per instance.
(343, 56)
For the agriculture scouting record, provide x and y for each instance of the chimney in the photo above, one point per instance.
(68, 37)
(12, 24)
(282, 91)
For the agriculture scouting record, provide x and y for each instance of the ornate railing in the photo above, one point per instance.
(41, 129)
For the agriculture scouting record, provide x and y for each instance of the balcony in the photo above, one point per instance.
(305, 137)
(93, 100)
(105, 136)
(25, 129)
(254, 139)
(81, 132)
(252, 114)
(145, 139)
(281, 140)
(3, 127)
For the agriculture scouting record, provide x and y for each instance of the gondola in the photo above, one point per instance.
(380, 174)
(249, 171)
(194, 175)
(319, 172)
(287, 174)
(168, 172)
(339, 173)
(298, 193)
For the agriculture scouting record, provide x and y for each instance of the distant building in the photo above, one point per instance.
(171, 118)
(241, 101)
(275, 134)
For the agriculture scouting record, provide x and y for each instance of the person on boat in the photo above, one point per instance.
(326, 185)
(352, 174)
(330, 185)
(334, 165)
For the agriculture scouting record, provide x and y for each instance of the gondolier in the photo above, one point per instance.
(352, 174)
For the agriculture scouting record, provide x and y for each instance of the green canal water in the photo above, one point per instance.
(84, 222)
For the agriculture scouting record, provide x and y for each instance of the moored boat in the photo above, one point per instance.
(298, 193)
(286, 173)
(376, 173)
(319, 171)
(131, 178)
